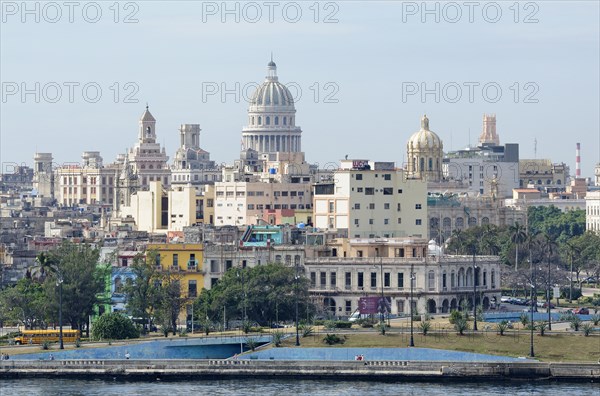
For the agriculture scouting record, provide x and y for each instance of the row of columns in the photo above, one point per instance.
(273, 143)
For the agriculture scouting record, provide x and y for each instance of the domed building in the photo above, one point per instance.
(272, 118)
(425, 152)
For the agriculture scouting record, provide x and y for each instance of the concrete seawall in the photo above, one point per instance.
(360, 370)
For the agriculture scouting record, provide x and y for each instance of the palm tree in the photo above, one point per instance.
(50, 263)
(549, 247)
(571, 251)
(518, 235)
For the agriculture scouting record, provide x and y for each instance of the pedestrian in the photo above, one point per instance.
(127, 356)
(51, 357)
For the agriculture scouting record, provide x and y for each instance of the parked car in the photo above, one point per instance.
(581, 311)
(506, 299)
(545, 305)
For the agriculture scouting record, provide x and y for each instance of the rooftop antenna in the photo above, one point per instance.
(535, 148)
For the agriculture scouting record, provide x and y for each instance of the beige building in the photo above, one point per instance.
(371, 199)
(353, 268)
(425, 153)
(542, 174)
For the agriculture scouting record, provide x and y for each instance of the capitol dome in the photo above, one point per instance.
(425, 153)
(272, 92)
(272, 118)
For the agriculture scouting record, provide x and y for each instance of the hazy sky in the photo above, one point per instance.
(358, 69)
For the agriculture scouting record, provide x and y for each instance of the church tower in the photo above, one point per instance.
(147, 133)
(488, 134)
(425, 152)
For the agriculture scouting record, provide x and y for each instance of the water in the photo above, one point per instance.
(51, 387)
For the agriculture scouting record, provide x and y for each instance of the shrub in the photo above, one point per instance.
(564, 293)
(251, 343)
(319, 322)
(78, 343)
(542, 326)
(575, 322)
(206, 326)
(246, 327)
(524, 318)
(165, 330)
(183, 333)
(454, 316)
(343, 325)
(425, 326)
(116, 326)
(595, 319)
(587, 329)
(501, 327)
(45, 345)
(277, 338)
(461, 325)
(366, 323)
(306, 330)
(329, 324)
(332, 339)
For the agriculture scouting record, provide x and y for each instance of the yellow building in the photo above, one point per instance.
(183, 260)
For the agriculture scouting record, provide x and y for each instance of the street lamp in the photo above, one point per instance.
(474, 293)
(382, 302)
(59, 283)
(296, 278)
(412, 278)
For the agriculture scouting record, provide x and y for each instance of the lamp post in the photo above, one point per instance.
(382, 301)
(474, 293)
(59, 283)
(531, 353)
(412, 278)
(296, 278)
(548, 300)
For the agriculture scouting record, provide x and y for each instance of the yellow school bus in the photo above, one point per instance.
(40, 336)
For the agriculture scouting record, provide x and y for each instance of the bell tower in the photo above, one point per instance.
(147, 133)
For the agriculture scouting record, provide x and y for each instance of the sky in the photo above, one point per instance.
(77, 76)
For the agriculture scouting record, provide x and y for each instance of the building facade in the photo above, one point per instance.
(371, 199)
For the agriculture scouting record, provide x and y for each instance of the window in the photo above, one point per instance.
(192, 288)
(418, 222)
(400, 280)
(333, 279)
(386, 221)
(370, 221)
(399, 208)
(399, 220)
(373, 280)
(214, 266)
(400, 191)
(348, 306)
(386, 279)
(331, 206)
(387, 176)
(386, 206)
(444, 285)
(369, 191)
(418, 206)
(356, 222)
(359, 253)
(388, 191)
(313, 279)
(323, 278)
(359, 176)
(359, 189)
(431, 280)
(361, 280)
(356, 206)
(348, 280)
(371, 206)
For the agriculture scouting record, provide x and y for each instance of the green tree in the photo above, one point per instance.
(114, 326)
(171, 300)
(144, 293)
(24, 303)
(268, 293)
(82, 281)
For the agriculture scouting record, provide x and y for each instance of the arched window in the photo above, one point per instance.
(276, 120)
(460, 222)
(151, 166)
(148, 131)
(472, 221)
(284, 120)
(268, 120)
(558, 181)
(430, 164)
(452, 280)
(259, 120)
(252, 120)
(422, 165)
(118, 284)
(485, 220)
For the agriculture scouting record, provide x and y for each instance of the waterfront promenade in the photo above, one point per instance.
(174, 369)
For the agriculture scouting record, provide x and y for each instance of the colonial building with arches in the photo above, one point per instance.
(348, 269)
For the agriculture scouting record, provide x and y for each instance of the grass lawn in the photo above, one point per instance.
(555, 347)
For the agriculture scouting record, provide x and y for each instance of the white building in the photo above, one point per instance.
(192, 164)
(592, 211)
(371, 199)
(272, 118)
